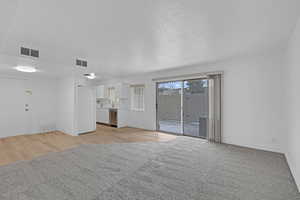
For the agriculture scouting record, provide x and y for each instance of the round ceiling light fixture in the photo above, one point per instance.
(28, 69)
(90, 76)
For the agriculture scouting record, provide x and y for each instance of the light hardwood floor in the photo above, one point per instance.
(26, 147)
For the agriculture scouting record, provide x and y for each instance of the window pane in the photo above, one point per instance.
(137, 98)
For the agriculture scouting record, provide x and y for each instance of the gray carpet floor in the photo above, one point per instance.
(185, 168)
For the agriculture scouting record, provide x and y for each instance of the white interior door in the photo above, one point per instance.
(86, 109)
(14, 107)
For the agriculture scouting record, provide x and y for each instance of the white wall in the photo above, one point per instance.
(52, 105)
(292, 104)
(252, 100)
(41, 101)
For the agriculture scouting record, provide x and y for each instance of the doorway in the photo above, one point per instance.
(195, 107)
(15, 115)
(169, 107)
(183, 107)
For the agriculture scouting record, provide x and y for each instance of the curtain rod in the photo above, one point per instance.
(188, 76)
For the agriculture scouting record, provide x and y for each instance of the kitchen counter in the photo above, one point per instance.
(107, 115)
(103, 108)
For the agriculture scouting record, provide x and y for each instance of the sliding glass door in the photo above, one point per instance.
(169, 107)
(195, 107)
(182, 107)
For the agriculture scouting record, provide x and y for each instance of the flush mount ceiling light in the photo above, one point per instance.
(90, 76)
(28, 69)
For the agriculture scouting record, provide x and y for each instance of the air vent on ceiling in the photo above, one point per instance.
(29, 52)
(82, 63)
(34, 53)
(78, 62)
(25, 51)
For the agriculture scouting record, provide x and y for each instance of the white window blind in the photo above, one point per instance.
(137, 98)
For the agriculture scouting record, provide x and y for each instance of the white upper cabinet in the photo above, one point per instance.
(101, 91)
(121, 91)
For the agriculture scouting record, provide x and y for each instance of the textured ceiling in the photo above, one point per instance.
(120, 37)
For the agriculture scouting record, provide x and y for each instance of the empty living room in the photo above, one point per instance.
(149, 100)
